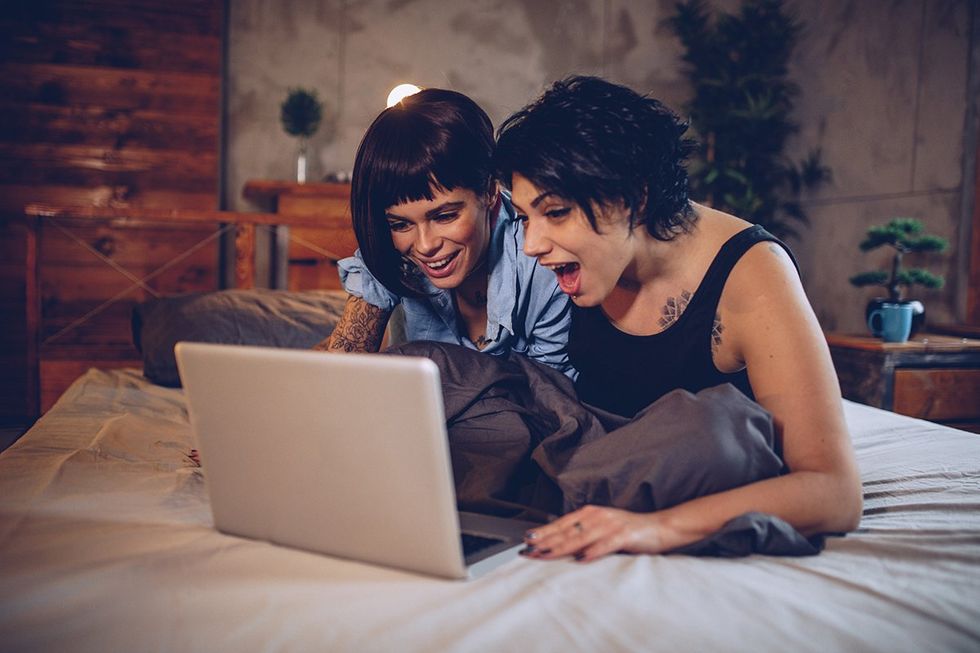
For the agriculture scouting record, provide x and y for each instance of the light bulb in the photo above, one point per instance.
(400, 92)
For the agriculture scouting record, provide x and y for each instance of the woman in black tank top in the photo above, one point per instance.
(671, 295)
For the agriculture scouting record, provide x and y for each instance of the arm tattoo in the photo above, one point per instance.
(673, 309)
(360, 328)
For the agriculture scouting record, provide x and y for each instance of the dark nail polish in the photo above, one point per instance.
(580, 556)
(544, 552)
(525, 551)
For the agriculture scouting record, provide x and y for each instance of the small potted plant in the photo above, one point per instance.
(300, 114)
(905, 236)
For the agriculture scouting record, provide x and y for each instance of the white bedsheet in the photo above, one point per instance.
(106, 544)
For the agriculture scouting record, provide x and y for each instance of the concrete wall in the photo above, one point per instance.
(883, 94)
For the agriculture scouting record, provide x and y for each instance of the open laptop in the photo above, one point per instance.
(341, 454)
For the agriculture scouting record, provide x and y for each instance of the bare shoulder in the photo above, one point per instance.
(766, 273)
(764, 303)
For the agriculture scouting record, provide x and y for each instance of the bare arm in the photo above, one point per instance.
(772, 329)
(360, 329)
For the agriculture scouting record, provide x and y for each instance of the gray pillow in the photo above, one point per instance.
(271, 318)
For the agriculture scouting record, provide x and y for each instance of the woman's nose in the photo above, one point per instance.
(535, 243)
(428, 241)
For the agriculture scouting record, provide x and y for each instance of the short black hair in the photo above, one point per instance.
(599, 144)
(434, 140)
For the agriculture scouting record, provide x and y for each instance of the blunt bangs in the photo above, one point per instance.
(435, 140)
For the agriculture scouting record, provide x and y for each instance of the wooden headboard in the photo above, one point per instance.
(88, 266)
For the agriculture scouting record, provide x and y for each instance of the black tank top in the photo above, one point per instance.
(624, 373)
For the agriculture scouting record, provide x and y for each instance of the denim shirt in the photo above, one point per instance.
(526, 311)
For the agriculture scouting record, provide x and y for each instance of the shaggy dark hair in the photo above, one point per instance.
(600, 144)
(433, 141)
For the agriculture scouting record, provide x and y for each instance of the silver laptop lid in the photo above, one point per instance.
(343, 454)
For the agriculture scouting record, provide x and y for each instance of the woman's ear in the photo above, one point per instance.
(493, 193)
(493, 198)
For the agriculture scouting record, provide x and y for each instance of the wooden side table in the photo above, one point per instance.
(935, 377)
(306, 256)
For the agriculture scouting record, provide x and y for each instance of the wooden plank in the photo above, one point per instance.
(938, 394)
(245, 256)
(178, 16)
(61, 284)
(270, 190)
(32, 317)
(12, 233)
(84, 165)
(923, 342)
(123, 46)
(63, 327)
(144, 215)
(860, 375)
(14, 198)
(334, 209)
(319, 276)
(185, 93)
(330, 244)
(58, 375)
(34, 122)
(142, 249)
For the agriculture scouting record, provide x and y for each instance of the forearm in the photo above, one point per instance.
(361, 328)
(810, 501)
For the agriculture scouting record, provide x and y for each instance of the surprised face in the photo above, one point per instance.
(557, 232)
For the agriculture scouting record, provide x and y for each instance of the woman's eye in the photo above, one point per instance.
(522, 218)
(557, 213)
(397, 225)
(446, 217)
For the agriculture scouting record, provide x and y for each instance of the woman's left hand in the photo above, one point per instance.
(592, 532)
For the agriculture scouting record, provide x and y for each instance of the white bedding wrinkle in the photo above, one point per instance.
(106, 544)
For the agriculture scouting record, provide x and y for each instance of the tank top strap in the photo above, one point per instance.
(709, 292)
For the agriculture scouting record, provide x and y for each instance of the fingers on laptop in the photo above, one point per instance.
(586, 534)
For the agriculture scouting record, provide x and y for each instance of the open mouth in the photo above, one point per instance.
(568, 277)
(440, 267)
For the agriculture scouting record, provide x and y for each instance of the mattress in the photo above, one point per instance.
(107, 544)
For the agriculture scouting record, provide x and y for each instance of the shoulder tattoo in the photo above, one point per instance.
(360, 328)
(673, 308)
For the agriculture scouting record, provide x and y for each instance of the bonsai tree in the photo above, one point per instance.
(300, 115)
(737, 65)
(904, 235)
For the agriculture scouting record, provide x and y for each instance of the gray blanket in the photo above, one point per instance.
(523, 445)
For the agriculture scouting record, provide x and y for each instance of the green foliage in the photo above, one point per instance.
(737, 65)
(904, 235)
(301, 112)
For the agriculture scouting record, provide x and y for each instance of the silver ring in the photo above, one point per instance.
(578, 526)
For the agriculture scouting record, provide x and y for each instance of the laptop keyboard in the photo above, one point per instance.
(474, 543)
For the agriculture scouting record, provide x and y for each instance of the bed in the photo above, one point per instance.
(107, 544)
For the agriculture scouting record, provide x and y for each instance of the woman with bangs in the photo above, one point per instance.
(437, 237)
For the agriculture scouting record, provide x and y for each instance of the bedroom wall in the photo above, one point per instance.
(883, 94)
(105, 103)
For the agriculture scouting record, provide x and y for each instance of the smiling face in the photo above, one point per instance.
(588, 264)
(446, 237)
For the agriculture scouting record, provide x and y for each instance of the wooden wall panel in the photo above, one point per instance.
(105, 103)
(973, 282)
